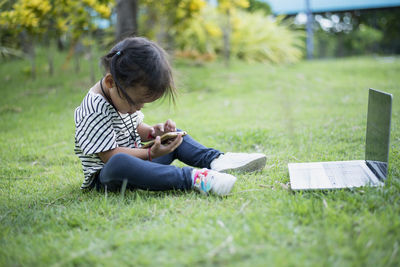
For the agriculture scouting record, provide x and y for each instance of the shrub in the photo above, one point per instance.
(254, 37)
(259, 38)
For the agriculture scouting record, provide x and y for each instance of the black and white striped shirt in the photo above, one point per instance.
(99, 128)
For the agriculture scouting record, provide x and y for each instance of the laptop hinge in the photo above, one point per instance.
(378, 168)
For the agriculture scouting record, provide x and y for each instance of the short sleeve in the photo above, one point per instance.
(94, 133)
(140, 117)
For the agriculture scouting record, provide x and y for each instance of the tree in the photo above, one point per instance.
(385, 21)
(38, 20)
(170, 17)
(256, 5)
(126, 18)
(227, 7)
(254, 37)
(27, 18)
(80, 20)
(355, 33)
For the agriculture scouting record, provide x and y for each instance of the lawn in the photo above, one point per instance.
(311, 111)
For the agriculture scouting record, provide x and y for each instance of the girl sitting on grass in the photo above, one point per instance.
(110, 129)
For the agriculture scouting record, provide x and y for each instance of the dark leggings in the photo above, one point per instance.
(156, 175)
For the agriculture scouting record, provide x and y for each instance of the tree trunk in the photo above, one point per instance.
(77, 63)
(60, 44)
(227, 39)
(50, 54)
(90, 58)
(32, 57)
(79, 52)
(28, 46)
(70, 55)
(126, 18)
(149, 25)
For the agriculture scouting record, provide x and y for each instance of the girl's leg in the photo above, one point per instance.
(191, 153)
(194, 154)
(143, 174)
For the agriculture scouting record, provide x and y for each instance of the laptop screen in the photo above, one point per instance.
(378, 132)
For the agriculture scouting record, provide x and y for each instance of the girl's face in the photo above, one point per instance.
(136, 99)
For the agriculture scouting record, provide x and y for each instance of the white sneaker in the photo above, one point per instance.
(206, 181)
(243, 162)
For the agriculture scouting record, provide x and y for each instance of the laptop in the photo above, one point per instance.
(372, 171)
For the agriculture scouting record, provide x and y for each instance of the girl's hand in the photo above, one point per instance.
(160, 129)
(169, 126)
(158, 149)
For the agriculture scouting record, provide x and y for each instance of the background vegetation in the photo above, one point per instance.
(192, 29)
(195, 29)
(358, 32)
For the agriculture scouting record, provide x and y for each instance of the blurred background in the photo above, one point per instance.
(198, 30)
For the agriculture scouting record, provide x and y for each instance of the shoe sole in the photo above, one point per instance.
(252, 166)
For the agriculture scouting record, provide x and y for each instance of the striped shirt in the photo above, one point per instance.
(100, 128)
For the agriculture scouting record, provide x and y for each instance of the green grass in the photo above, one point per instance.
(311, 111)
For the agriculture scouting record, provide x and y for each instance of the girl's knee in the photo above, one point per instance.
(120, 164)
(123, 161)
(118, 158)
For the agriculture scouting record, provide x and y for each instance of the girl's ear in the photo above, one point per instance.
(108, 80)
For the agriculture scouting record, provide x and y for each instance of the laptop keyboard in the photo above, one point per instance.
(346, 174)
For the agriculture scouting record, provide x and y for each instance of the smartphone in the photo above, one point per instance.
(164, 138)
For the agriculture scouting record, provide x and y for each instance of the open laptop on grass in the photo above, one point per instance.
(346, 174)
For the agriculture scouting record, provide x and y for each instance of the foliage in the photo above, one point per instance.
(364, 39)
(81, 15)
(203, 34)
(255, 37)
(193, 26)
(228, 6)
(170, 16)
(325, 44)
(38, 17)
(27, 15)
(358, 32)
(48, 20)
(257, 5)
(260, 38)
(387, 22)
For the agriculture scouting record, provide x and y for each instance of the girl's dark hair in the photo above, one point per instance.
(137, 61)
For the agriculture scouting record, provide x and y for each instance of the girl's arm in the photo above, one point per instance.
(146, 132)
(136, 152)
(156, 150)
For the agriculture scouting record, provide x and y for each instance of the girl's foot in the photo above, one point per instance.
(208, 181)
(243, 162)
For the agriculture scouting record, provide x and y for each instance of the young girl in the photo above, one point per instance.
(110, 129)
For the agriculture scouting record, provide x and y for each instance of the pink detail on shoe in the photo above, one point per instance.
(199, 174)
